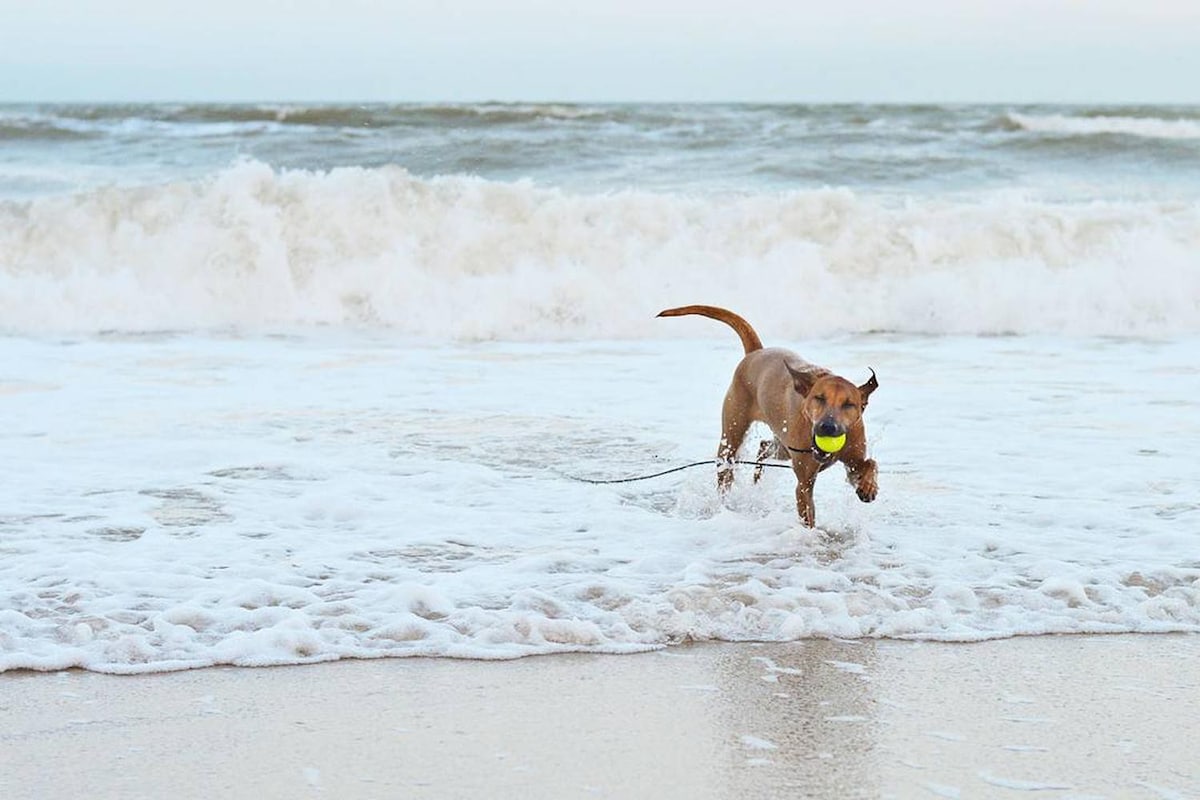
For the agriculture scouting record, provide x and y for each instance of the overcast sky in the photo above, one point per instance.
(656, 50)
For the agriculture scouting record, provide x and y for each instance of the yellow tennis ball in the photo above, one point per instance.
(830, 444)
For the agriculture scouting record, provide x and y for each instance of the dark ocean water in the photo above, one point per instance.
(1058, 150)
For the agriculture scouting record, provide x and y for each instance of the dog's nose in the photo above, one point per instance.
(828, 427)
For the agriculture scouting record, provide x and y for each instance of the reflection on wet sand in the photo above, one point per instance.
(801, 719)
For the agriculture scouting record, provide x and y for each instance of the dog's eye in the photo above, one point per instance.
(820, 399)
(846, 406)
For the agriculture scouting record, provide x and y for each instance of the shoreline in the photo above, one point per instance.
(1063, 716)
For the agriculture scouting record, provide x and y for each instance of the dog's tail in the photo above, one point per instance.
(750, 339)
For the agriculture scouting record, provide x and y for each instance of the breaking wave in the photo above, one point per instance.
(466, 258)
(1148, 127)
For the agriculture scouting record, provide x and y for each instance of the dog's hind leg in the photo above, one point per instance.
(735, 421)
(769, 448)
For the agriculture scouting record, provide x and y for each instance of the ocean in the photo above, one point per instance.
(292, 383)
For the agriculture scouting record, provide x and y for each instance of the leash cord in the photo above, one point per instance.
(675, 469)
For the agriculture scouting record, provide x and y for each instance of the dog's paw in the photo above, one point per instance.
(863, 481)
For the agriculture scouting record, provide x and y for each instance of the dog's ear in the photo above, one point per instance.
(868, 387)
(801, 380)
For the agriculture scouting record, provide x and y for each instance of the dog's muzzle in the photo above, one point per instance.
(829, 428)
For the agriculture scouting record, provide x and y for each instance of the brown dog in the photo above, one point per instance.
(799, 401)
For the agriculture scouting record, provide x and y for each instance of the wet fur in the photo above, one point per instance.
(792, 397)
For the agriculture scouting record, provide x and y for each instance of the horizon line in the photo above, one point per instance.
(606, 102)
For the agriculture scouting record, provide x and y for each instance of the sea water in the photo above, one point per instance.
(294, 383)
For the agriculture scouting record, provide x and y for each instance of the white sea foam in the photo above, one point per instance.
(181, 501)
(1149, 127)
(465, 258)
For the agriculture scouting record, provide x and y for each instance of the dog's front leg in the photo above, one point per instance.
(806, 479)
(863, 476)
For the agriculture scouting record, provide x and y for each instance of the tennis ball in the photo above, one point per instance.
(830, 444)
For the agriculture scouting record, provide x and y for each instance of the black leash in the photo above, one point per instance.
(676, 469)
(820, 455)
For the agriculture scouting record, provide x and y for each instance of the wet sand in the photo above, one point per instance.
(1063, 717)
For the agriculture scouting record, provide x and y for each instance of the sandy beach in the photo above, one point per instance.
(1061, 716)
